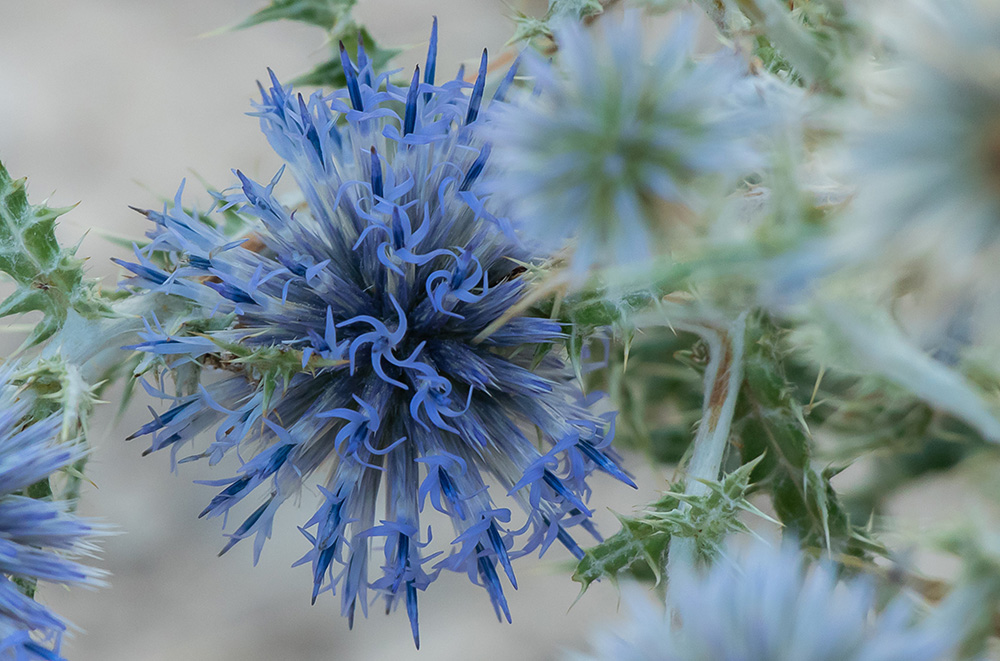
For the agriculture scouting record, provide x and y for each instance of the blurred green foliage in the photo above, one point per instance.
(336, 19)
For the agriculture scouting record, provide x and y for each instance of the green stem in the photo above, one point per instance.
(723, 377)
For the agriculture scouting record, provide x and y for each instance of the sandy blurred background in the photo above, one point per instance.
(109, 103)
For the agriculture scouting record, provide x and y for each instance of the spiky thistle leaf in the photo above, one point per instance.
(330, 73)
(322, 13)
(772, 425)
(49, 278)
(530, 27)
(707, 519)
(335, 17)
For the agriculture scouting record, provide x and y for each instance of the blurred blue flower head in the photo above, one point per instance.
(373, 335)
(769, 603)
(616, 150)
(39, 539)
(926, 163)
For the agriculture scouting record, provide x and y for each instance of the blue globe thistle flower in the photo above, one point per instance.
(368, 335)
(770, 604)
(39, 539)
(614, 148)
(926, 162)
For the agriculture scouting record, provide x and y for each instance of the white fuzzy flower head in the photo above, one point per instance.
(613, 145)
(769, 605)
(928, 168)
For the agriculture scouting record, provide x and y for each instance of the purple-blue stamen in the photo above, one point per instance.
(411, 611)
(147, 272)
(363, 68)
(246, 526)
(561, 489)
(431, 65)
(491, 580)
(353, 89)
(377, 186)
(500, 95)
(477, 91)
(567, 540)
(310, 129)
(476, 168)
(501, 550)
(602, 461)
(410, 118)
(450, 492)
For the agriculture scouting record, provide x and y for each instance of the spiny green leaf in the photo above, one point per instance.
(643, 541)
(710, 518)
(323, 13)
(593, 308)
(334, 16)
(773, 61)
(26, 586)
(49, 278)
(772, 426)
(331, 72)
(28, 244)
(39, 490)
(529, 27)
(576, 9)
(659, 400)
(639, 541)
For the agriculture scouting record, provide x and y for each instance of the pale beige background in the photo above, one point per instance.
(108, 103)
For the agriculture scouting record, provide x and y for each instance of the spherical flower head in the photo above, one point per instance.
(39, 539)
(769, 603)
(373, 340)
(927, 167)
(614, 149)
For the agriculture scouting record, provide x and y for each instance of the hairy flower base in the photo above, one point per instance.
(368, 335)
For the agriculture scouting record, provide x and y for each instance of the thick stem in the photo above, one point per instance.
(723, 376)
